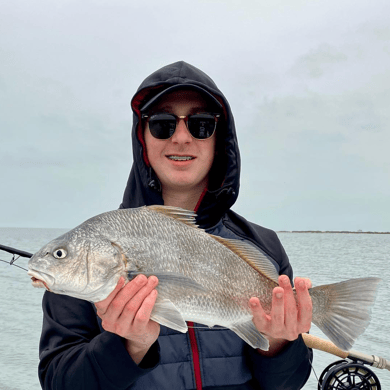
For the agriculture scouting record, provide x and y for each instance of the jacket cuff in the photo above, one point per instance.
(152, 357)
(293, 356)
(115, 362)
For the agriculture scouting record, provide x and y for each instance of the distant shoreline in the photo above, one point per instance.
(329, 231)
(278, 231)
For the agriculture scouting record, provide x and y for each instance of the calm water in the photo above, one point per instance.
(324, 258)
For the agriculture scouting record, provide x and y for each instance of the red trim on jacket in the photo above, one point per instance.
(195, 355)
(191, 330)
(200, 199)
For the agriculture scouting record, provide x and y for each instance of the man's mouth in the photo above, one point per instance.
(180, 158)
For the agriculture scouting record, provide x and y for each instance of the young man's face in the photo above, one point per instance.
(164, 155)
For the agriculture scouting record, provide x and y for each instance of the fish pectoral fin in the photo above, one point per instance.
(248, 332)
(166, 313)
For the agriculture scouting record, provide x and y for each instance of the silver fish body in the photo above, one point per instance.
(202, 278)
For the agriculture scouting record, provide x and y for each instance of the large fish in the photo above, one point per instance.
(202, 278)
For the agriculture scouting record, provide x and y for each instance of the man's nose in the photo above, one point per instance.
(181, 134)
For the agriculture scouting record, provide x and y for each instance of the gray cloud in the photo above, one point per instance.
(308, 87)
(318, 61)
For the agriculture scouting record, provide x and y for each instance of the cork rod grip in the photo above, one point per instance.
(323, 345)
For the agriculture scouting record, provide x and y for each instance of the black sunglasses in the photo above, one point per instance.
(200, 126)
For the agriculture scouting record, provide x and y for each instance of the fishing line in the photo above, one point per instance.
(315, 374)
(15, 252)
(12, 263)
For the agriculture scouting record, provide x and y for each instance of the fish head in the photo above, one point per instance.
(79, 266)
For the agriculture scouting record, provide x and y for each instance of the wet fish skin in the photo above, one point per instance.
(202, 278)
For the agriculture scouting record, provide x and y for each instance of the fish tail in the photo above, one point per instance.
(342, 310)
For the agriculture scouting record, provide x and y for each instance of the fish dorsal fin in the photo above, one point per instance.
(183, 215)
(254, 257)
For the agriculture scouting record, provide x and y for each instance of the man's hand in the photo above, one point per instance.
(126, 312)
(288, 318)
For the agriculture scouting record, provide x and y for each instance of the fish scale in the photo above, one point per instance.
(202, 278)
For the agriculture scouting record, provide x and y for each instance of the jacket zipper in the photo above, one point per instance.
(195, 355)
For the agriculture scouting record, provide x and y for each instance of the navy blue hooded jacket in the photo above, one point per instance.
(76, 353)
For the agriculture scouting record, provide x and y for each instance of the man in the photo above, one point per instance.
(185, 155)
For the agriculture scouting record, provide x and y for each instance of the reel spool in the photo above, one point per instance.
(346, 375)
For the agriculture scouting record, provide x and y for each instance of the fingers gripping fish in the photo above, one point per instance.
(202, 278)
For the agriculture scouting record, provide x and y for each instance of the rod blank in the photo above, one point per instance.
(15, 251)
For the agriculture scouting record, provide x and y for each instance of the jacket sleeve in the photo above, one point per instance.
(75, 354)
(287, 371)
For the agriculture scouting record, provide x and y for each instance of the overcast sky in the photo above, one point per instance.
(308, 82)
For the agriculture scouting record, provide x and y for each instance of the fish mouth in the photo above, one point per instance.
(40, 279)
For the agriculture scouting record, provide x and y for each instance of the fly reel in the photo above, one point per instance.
(348, 375)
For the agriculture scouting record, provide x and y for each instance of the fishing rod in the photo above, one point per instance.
(347, 374)
(15, 252)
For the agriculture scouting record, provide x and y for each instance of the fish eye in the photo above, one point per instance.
(59, 253)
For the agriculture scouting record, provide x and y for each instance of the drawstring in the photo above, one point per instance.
(153, 183)
(224, 191)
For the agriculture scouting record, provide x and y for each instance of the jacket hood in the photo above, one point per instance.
(143, 187)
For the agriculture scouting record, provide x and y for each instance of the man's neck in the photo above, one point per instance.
(186, 199)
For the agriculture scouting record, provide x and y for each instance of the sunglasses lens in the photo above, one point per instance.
(201, 126)
(162, 126)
